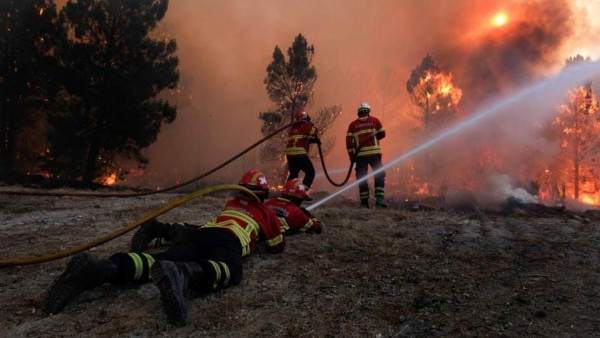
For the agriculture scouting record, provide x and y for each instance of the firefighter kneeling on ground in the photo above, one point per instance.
(208, 259)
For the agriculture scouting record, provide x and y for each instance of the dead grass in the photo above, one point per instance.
(375, 273)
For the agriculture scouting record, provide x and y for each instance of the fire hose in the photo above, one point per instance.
(172, 205)
(137, 194)
(125, 229)
(352, 162)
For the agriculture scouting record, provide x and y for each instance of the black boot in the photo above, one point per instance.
(381, 203)
(179, 232)
(83, 272)
(364, 203)
(147, 232)
(173, 280)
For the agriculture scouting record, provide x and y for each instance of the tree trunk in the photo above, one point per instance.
(90, 162)
(3, 140)
(576, 156)
(7, 150)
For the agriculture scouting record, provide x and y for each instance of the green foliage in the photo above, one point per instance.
(27, 33)
(290, 84)
(113, 72)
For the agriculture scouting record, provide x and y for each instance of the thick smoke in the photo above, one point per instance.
(496, 59)
(488, 65)
(364, 51)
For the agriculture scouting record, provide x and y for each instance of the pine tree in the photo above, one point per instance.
(290, 86)
(113, 71)
(27, 34)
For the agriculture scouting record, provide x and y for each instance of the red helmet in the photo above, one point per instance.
(255, 181)
(301, 115)
(295, 189)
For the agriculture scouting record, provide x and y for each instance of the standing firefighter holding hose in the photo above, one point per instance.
(301, 135)
(362, 143)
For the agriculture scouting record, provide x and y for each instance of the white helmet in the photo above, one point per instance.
(363, 108)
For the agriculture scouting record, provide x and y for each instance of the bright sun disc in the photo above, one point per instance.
(499, 19)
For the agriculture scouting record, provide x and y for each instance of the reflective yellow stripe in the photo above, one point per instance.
(307, 225)
(252, 224)
(215, 266)
(225, 269)
(284, 224)
(369, 151)
(237, 229)
(150, 260)
(221, 271)
(295, 151)
(244, 235)
(365, 131)
(139, 266)
(275, 241)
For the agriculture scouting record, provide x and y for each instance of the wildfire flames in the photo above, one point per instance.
(110, 179)
(487, 49)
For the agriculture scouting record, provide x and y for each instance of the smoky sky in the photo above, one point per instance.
(513, 54)
(364, 51)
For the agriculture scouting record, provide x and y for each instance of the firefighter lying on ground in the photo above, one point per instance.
(292, 216)
(209, 259)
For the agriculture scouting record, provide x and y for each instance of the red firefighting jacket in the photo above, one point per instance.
(364, 132)
(299, 138)
(250, 221)
(293, 218)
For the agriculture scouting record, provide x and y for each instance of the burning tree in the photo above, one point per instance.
(26, 39)
(436, 98)
(113, 73)
(578, 130)
(290, 85)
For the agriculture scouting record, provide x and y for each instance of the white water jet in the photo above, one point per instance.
(561, 83)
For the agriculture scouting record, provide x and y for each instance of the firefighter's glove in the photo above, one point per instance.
(316, 228)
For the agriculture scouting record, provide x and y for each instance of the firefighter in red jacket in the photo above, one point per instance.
(301, 135)
(293, 217)
(362, 143)
(209, 259)
(288, 209)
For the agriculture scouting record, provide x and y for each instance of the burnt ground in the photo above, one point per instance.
(372, 273)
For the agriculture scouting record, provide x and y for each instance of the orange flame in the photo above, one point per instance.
(110, 179)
